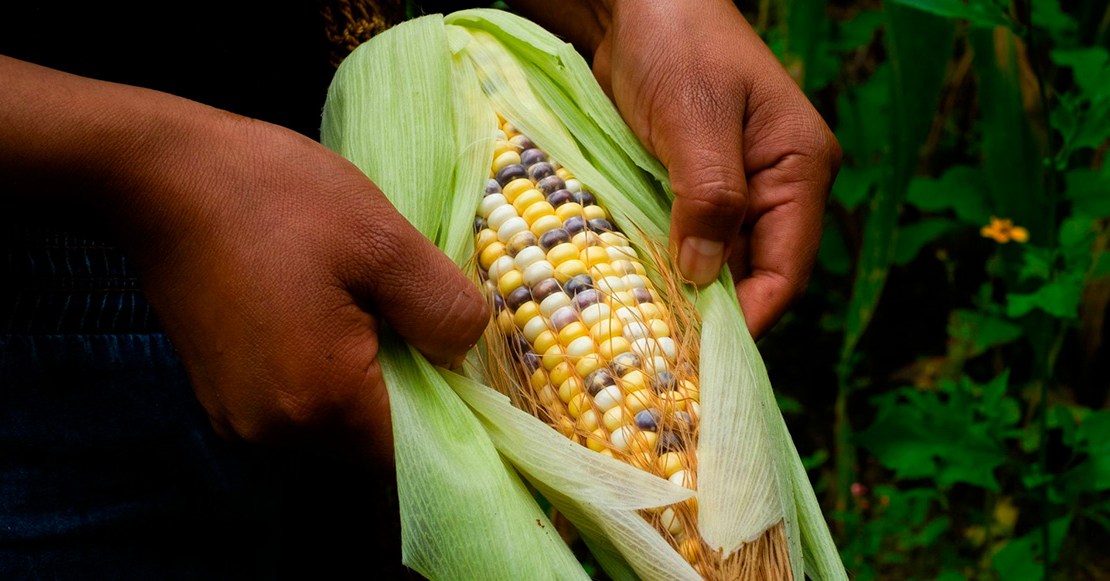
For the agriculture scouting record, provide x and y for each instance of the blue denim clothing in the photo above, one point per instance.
(109, 468)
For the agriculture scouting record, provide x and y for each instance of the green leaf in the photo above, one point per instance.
(1023, 558)
(858, 31)
(978, 12)
(1048, 16)
(1090, 66)
(918, 443)
(1059, 298)
(1036, 263)
(854, 185)
(1089, 192)
(982, 330)
(913, 237)
(833, 255)
(918, 48)
(960, 189)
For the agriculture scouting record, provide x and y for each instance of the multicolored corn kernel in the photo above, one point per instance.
(592, 346)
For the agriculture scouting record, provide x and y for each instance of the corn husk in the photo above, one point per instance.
(414, 109)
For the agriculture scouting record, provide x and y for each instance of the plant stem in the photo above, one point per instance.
(1051, 187)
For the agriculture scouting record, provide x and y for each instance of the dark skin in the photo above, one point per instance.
(272, 262)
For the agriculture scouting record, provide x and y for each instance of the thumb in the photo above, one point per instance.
(419, 292)
(704, 157)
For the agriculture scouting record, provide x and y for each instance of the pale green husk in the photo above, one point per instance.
(413, 108)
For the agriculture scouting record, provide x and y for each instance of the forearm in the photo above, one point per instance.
(91, 153)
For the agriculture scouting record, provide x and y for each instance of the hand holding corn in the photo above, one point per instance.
(750, 160)
(271, 261)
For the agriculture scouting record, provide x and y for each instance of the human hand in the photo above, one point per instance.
(271, 261)
(750, 160)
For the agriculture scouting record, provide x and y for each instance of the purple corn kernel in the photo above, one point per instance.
(545, 288)
(540, 170)
(531, 156)
(563, 316)
(579, 283)
(642, 295)
(553, 238)
(586, 298)
(600, 225)
(585, 198)
(598, 380)
(518, 296)
(664, 381)
(492, 187)
(574, 224)
(479, 224)
(625, 362)
(648, 419)
(551, 184)
(510, 173)
(669, 441)
(559, 197)
(531, 361)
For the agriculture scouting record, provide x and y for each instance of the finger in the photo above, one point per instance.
(698, 138)
(414, 287)
(788, 206)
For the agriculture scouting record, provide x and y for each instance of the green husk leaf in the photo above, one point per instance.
(548, 456)
(750, 475)
(450, 478)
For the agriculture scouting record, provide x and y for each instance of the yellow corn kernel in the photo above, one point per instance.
(508, 157)
(570, 388)
(526, 312)
(486, 237)
(579, 404)
(598, 441)
(553, 356)
(527, 198)
(593, 255)
(539, 380)
(595, 213)
(634, 380)
(613, 346)
(509, 281)
(587, 421)
(544, 224)
(560, 373)
(615, 417)
(669, 463)
(562, 253)
(573, 331)
(537, 210)
(601, 270)
(491, 253)
(545, 340)
(569, 269)
(505, 322)
(588, 364)
(513, 189)
(638, 401)
(606, 328)
(568, 210)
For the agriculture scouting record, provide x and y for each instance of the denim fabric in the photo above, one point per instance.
(109, 468)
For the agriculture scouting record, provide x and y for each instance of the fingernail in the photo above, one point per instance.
(700, 260)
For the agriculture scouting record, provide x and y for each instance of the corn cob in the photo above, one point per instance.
(593, 333)
(582, 338)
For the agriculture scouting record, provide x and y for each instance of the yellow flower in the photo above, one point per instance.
(1002, 230)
